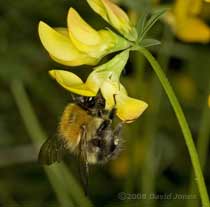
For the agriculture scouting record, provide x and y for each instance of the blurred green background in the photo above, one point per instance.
(154, 159)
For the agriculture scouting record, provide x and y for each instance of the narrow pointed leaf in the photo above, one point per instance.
(153, 19)
(149, 42)
(141, 23)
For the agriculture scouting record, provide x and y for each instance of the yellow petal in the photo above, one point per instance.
(119, 19)
(80, 30)
(83, 60)
(99, 8)
(96, 79)
(193, 30)
(187, 7)
(129, 109)
(116, 15)
(57, 44)
(60, 48)
(122, 89)
(96, 51)
(181, 9)
(195, 6)
(109, 90)
(209, 101)
(95, 43)
(115, 95)
(63, 31)
(71, 82)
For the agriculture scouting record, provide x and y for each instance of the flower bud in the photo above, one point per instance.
(115, 16)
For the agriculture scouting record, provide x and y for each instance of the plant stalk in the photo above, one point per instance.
(183, 124)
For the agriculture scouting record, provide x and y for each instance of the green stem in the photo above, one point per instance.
(149, 172)
(202, 147)
(183, 124)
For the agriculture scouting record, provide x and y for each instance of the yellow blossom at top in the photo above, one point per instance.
(186, 23)
(115, 16)
(79, 43)
(106, 79)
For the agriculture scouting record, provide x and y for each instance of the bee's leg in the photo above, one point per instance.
(104, 125)
(118, 129)
(84, 168)
(116, 144)
(107, 113)
(112, 113)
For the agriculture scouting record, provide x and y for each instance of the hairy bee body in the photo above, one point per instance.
(85, 129)
(72, 122)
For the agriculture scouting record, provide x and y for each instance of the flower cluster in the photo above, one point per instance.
(186, 21)
(80, 44)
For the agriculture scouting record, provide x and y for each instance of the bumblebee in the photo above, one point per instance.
(86, 130)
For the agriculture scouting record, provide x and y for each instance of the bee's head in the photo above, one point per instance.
(95, 102)
(105, 145)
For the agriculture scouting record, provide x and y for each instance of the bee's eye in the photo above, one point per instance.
(90, 101)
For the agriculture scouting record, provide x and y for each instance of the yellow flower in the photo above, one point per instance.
(115, 95)
(79, 43)
(115, 16)
(106, 79)
(209, 101)
(186, 23)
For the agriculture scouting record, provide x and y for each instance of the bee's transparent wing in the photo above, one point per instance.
(52, 151)
(83, 163)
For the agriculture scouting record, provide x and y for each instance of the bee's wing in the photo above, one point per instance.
(83, 163)
(52, 151)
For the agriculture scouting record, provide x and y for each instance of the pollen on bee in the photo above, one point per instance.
(68, 130)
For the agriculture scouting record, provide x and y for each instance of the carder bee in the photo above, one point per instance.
(86, 130)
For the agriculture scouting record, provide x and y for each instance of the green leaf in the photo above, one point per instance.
(141, 23)
(149, 42)
(153, 19)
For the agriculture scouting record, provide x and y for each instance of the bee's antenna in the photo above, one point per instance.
(73, 97)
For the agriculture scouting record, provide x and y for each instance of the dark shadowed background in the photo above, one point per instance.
(154, 165)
